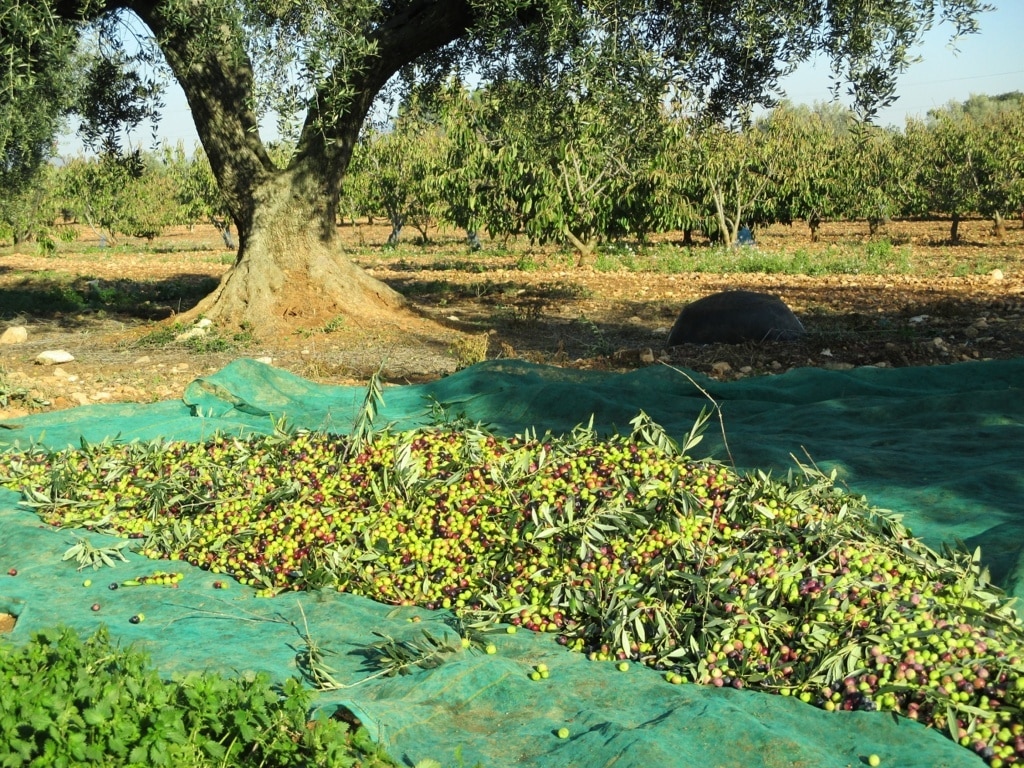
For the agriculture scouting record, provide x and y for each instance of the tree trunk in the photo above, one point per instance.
(954, 229)
(998, 226)
(291, 273)
(397, 222)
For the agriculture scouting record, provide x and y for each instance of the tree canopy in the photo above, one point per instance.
(320, 67)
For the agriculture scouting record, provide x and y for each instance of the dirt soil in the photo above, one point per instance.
(960, 303)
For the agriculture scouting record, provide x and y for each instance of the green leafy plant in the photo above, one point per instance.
(84, 702)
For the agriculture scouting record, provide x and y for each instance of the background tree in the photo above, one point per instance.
(37, 90)
(400, 168)
(196, 190)
(810, 150)
(879, 182)
(950, 162)
(331, 60)
(1002, 172)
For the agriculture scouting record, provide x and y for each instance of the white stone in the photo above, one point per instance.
(192, 333)
(16, 334)
(54, 357)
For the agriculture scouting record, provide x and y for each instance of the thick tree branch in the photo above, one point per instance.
(218, 82)
(415, 29)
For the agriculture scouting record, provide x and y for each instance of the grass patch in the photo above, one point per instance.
(205, 343)
(874, 258)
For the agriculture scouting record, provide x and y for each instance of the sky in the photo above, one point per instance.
(991, 62)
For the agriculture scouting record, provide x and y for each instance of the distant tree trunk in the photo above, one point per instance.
(998, 225)
(814, 223)
(954, 229)
(224, 227)
(397, 222)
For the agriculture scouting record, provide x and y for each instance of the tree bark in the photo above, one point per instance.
(290, 275)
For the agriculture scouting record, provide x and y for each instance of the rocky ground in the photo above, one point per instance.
(113, 311)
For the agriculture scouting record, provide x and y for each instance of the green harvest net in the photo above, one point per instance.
(942, 446)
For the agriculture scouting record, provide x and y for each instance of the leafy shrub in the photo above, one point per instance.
(69, 701)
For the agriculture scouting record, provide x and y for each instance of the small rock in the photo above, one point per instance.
(647, 356)
(265, 360)
(971, 332)
(721, 367)
(100, 396)
(16, 334)
(80, 397)
(627, 355)
(54, 357)
(837, 366)
(144, 360)
(192, 333)
(746, 369)
(996, 275)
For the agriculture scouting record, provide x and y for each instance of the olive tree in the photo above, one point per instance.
(329, 61)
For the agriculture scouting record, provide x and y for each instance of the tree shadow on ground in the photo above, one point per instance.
(58, 298)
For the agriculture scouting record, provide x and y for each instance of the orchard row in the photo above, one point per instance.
(513, 161)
